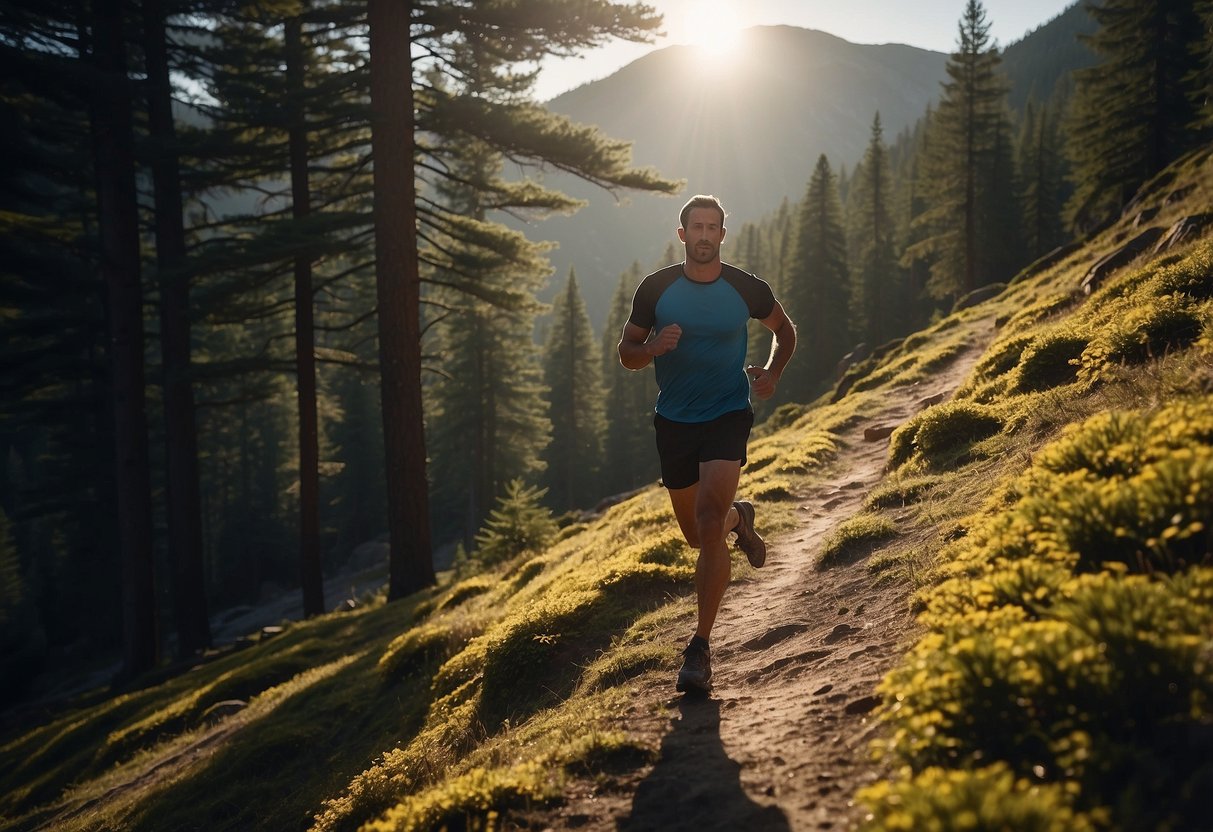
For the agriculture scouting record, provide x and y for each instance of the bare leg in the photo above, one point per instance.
(705, 513)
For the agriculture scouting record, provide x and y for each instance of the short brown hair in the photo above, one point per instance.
(700, 201)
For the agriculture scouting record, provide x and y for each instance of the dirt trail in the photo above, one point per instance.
(782, 742)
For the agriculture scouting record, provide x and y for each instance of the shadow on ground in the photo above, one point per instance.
(695, 786)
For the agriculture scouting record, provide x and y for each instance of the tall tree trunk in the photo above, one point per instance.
(311, 572)
(483, 490)
(571, 458)
(970, 218)
(398, 282)
(117, 210)
(483, 384)
(182, 491)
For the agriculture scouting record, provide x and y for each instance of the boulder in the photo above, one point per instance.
(1188, 228)
(1145, 216)
(878, 432)
(852, 358)
(221, 710)
(1049, 260)
(978, 295)
(1127, 253)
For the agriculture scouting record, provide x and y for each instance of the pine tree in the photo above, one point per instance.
(1000, 248)
(270, 264)
(572, 374)
(967, 167)
(518, 523)
(310, 568)
(1132, 113)
(250, 508)
(910, 204)
(1203, 50)
(181, 477)
(22, 638)
(111, 116)
(502, 118)
(816, 287)
(628, 460)
(356, 491)
(1040, 173)
(772, 248)
(878, 290)
(490, 421)
(57, 469)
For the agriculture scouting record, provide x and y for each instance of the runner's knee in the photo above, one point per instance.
(710, 521)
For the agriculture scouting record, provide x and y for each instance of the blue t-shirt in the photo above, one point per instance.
(704, 376)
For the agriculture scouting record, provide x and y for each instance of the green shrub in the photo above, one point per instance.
(1123, 488)
(953, 425)
(854, 537)
(470, 801)
(532, 660)
(897, 492)
(1191, 277)
(618, 665)
(668, 549)
(772, 489)
(1097, 691)
(466, 590)
(425, 643)
(533, 657)
(1049, 361)
(990, 799)
(815, 449)
(1107, 445)
(1001, 358)
(1141, 333)
(901, 444)
(780, 418)
(1046, 653)
(1041, 310)
(527, 572)
(940, 433)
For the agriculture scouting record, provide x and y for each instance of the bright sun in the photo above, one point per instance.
(713, 25)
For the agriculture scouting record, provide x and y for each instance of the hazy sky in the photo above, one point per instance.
(930, 24)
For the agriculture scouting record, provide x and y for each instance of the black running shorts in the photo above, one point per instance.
(681, 446)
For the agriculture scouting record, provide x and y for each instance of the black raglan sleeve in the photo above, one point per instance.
(644, 302)
(755, 291)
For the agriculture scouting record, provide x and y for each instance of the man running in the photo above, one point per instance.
(696, 313)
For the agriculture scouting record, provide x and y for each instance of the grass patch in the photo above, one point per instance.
(854, 539)
(898, 491)
(942, 435)
(1049, 360)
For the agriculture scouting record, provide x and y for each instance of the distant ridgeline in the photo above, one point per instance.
(754, 137)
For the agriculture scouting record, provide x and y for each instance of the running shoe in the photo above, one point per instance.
(748, 540)
(696, 673)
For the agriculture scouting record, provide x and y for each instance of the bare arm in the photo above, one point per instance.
(783, 344)
(636, 351)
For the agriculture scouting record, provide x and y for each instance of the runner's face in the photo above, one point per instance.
(702, 235)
